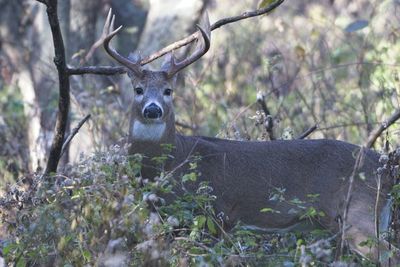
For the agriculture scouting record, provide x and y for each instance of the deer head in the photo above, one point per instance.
(152, 114)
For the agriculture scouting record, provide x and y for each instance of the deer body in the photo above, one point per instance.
(244, 175)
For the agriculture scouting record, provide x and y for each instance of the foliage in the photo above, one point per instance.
(13, 159)
(323, 64)
(103, 211)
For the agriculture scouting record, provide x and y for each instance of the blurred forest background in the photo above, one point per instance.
(333, 63)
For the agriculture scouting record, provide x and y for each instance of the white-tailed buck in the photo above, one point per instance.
(244, 174)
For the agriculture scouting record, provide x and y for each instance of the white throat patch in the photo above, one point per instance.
(147, 132)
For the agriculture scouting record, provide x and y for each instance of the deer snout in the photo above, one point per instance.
(152, 111)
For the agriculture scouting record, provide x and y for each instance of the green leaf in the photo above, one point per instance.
(87, 255)
(21, 263)
(264, 3)
(196, 251)
(211, 226)
(313, 196)
(269, 210)
(296, 201)
(200, 221)
(8, 248)
(192, 177)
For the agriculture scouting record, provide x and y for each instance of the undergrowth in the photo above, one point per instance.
(102, 212)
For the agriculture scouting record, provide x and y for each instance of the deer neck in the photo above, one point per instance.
(151, 140)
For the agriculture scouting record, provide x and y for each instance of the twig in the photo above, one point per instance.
(308, 132)
(329, 239)
(186, 126)
(182, 238)
(356, 168)
(73, 133)
(269, 121)
(343, 125)
(378, 131)
(64, 87)
(263, 105)
(376, 212)
(183, 42)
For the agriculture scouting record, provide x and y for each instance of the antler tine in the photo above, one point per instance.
(107, 35)
(206, 36)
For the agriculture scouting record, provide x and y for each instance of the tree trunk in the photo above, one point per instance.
(163, 28)
(21, 48)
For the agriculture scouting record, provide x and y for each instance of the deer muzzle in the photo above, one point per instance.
(152, 111)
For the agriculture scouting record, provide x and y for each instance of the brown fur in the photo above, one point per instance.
(245, 174)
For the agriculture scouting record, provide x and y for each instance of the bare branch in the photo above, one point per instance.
(357, 166)
(263, 105)
(73, 133)
(98, 70)
(378, 131)
(308, 132)
(64, 87)
(269, 121)
(344, 125)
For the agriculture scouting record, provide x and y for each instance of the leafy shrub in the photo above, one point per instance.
(102, 212)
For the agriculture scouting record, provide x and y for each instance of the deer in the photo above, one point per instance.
(243, 174)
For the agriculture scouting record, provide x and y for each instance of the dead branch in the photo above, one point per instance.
(308, 132)
(344, 125)
(376, 211)
(73, 133)
(357, 166)
(269, 121)
(379, 130)
(98, 70)
(183, 42)
(64, 87)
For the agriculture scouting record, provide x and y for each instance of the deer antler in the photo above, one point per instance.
(107, 35)
(135, 66)
(205, 33)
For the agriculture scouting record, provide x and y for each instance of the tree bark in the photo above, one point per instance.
(17, 40)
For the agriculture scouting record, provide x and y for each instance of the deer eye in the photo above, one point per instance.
(139, 90)
(168, 92)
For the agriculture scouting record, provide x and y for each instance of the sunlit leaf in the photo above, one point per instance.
(200, 221)
(269, 210)
(265, 3)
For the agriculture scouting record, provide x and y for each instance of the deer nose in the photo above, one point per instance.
(152, 111)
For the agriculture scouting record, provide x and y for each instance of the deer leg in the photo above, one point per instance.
(362, 229)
